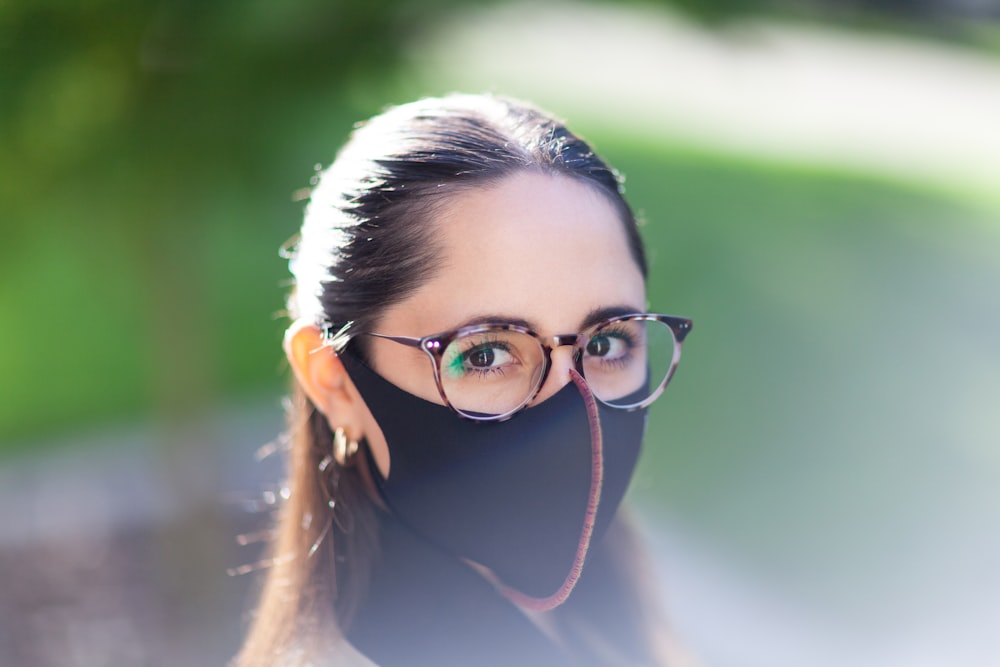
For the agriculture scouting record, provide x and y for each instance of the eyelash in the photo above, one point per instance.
(482, 372)
(622, 333)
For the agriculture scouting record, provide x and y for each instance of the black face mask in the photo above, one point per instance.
(524, 498)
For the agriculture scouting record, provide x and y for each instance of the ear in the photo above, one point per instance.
(323, 377)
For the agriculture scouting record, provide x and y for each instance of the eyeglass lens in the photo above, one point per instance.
(494, 372)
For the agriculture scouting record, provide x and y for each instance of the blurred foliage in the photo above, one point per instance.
(148, 154)
(971, 23)
(834, 413)
(837, 394)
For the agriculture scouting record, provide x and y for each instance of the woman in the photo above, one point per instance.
(473, 364)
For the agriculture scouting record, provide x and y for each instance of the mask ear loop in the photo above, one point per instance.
(587, 531)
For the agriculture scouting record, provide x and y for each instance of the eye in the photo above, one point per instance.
(480, 355)
(608, 345)
(486, 356)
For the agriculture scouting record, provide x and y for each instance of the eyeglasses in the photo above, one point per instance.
(489, 372)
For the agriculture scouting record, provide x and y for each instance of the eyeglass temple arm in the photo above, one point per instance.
(409, 341)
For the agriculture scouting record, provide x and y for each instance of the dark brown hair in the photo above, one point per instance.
(365, 245)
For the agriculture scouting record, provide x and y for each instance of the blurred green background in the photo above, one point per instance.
(832, 434)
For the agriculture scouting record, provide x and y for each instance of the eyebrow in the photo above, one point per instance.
(600, 314)
(593, 317)
(496, 319)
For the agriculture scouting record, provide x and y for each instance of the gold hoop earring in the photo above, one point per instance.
(344, 449)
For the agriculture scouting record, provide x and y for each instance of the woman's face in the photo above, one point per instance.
(541, 250)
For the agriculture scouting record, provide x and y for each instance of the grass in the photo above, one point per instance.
(834, 410)
(843, 357)
(782, 269)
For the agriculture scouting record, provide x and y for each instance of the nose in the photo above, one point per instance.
(561, 363)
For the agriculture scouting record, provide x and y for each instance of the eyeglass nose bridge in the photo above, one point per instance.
(549, 344)
(561, 340)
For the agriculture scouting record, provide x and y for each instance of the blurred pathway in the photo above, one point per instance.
(95, 541)
(114, 552)
(885, 104)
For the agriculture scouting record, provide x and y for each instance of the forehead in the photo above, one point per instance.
(538, 247)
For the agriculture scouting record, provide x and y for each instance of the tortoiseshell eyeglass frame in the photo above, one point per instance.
(434, 346)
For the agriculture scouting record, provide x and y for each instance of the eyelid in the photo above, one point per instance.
(484, 342)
